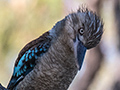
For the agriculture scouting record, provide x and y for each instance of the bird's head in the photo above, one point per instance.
(85, 26)
(85, 29)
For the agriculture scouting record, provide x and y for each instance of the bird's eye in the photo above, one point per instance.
(81, 31)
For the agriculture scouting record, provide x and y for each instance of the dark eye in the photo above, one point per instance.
(81, 31)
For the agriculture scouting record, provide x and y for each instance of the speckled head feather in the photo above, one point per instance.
(95, 26)
(90, 25)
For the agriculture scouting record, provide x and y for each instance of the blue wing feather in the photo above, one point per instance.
(28, 60)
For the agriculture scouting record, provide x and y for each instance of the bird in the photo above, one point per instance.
(51, 61)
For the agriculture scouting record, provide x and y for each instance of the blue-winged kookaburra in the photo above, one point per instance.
(51, 61)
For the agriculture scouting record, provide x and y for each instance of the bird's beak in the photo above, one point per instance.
(81, 50)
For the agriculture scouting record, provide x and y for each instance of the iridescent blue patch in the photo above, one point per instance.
(40, 49)
(36, 50)
(36, 56)
(30, 57)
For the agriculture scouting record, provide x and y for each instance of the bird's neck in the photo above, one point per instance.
(63, 49)
(62, 44)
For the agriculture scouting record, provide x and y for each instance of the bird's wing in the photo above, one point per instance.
(27, 58)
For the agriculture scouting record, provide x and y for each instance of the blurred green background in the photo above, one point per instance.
(24, 20)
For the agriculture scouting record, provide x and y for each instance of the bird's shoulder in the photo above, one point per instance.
(45, 38)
